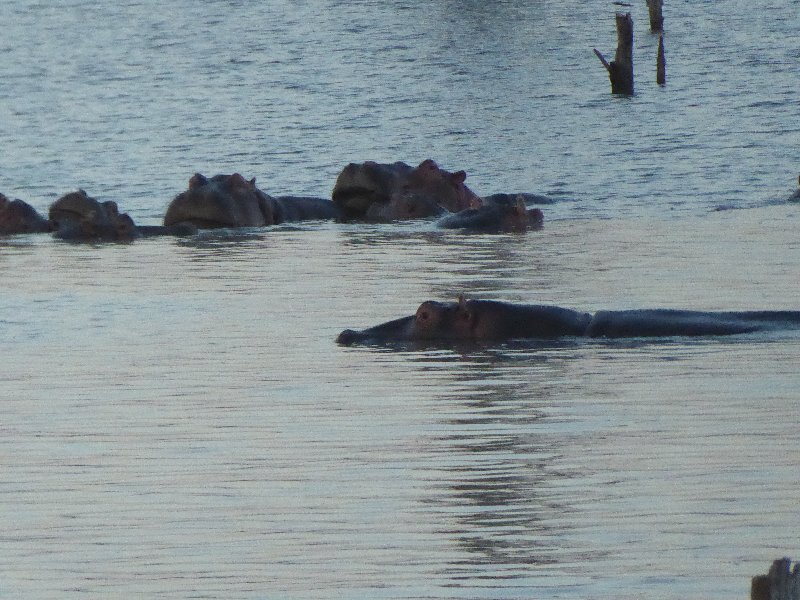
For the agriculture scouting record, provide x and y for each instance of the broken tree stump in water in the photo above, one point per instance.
(781, 583)
(620, 70)
(661, 63)
(656, 17)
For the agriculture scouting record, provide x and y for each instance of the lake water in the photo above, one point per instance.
(176, 420)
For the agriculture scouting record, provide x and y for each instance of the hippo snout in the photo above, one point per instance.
(348, 337)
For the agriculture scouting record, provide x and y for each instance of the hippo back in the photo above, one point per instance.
(668, 322)
(304, 208)
(500, 320)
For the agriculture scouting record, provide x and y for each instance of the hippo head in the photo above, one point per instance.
(17, 216)
(447, 188)
(432, 321)
(75, 207)
(360, 185)
(221, 201)
(79, 217)
(519, 217)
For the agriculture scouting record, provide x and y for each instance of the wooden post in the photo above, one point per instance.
(656, 18)
(661, 63)
(780, 583)
(620, 70)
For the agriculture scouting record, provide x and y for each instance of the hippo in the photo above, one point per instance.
(359, 186)
(473, 321)
(17, 216)
(79, 217)
(495, 217)
(233, 201)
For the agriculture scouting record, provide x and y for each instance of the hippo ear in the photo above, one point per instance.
(429, 164)
(520, 206)
(464, 312)
(237, 181)
(253, 182)
(458, 177)
(197, 180)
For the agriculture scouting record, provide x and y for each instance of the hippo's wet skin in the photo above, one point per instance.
(489, 320)
(233, 201)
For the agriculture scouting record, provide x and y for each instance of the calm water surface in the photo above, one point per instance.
(176, 419)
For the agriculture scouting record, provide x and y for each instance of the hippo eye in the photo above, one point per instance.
(423, 315)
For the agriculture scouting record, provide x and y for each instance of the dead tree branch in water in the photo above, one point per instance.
(620, 70)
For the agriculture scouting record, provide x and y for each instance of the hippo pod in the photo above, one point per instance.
(385, 192)
(233, 201)
(17, 216)
(489, 320)
(79, 217)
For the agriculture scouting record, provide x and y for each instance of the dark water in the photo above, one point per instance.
(176, 420)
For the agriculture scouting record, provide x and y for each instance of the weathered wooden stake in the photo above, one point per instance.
(656, 17)
(620, 70)
(661, 63)
(780, 583)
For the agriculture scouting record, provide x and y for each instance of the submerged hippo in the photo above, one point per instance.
(233, 201)
(381, 192)
(489, 320)
(79, 217)
(495, 218)
(17, 216)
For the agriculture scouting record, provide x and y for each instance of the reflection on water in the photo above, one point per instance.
(176, 410)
